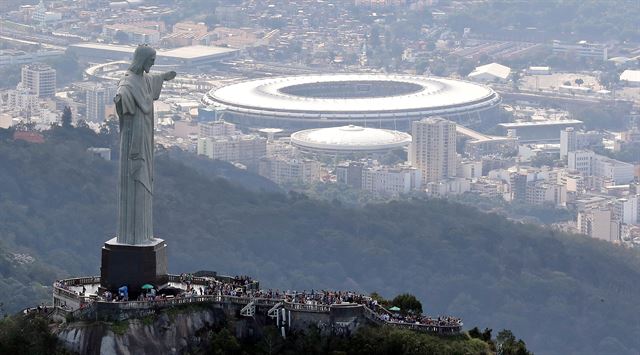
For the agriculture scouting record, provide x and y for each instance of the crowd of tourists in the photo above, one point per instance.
(239, 286)
(328, 298)
(440, 321)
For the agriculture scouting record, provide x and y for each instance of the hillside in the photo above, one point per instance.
(562, 294)
(32, 334)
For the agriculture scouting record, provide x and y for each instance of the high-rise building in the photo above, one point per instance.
(350, 173)
(581, 161)
(97, 96)
(23, 100)
(628, 209)
(568, 141)
(599, 223)
(216, 128)
(590, 164)
(433, 149)
(243, 149)
(40, 79)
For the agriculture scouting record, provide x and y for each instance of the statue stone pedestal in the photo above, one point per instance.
(133, 265)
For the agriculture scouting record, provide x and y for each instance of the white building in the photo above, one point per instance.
(441, 188)
(581, 161)
(243, 149)
(568, 141)
(631, 77)
(541, 192)
(599, 223)
(22, 100)
(392, 180)
(104, 153)
(40, 79)
(134, 33)
(490, 73)
(628, 209)
(589, 163)
(216, 128)
(582, 49)
(573, 182)
(98, 96)
(469, 169)
(433, 150)
(283, 170)
(617, 171)
(18, 57)
(539, 70)
(41, 16)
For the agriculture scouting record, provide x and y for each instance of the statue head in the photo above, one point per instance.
(143, 58)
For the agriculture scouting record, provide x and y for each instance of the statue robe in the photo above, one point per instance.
(134, 105)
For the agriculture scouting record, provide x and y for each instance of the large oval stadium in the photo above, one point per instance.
(378, 100)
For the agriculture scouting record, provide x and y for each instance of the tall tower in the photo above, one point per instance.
(97, 96)
(433, 149)
(40, 79)
(567, 142)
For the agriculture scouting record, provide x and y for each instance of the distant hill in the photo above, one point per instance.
(563, 294)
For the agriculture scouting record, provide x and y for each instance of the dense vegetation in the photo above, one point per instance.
(561, 293)
(577, 19)
(629, 153)
(30, 334)
(27, 335)
(367, 341)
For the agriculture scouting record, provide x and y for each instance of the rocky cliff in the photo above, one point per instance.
(173, 332)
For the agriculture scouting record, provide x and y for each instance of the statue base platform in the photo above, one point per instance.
(133, 265)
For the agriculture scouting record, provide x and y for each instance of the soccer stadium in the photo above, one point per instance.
(368, 100)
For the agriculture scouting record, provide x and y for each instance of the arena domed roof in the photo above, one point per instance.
(349, 139)
(327, 100)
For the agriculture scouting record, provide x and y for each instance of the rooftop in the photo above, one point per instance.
(188, 52)
(630, 75)
(540, 123)
(495, 69)
(350, 138)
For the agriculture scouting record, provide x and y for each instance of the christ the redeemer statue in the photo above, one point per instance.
(134, 104)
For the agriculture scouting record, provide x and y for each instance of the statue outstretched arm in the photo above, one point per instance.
(169, 75)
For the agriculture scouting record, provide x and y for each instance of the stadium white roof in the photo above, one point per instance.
(494, 69)
(432, 92)
(632, 76)
(350, 139)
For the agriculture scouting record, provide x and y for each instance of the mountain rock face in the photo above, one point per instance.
(167, 333)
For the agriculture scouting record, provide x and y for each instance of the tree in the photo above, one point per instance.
(485, 336)
(82, 124)
(223, 342)
(407, 303)
(66, 117)
(26, 335)
(579, 81)
(507, 344)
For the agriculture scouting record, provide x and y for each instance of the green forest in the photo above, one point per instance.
(563, 294)
(30, 334)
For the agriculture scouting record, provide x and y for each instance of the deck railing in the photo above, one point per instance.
(88, 305)
(319, 308)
